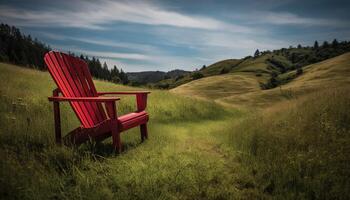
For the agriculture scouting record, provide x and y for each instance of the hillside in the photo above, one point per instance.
(146, 77)
(267, 65)
(242, 86)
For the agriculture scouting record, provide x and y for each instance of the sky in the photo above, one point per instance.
(163, 35)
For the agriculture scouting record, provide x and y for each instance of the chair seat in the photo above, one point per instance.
(131, 120)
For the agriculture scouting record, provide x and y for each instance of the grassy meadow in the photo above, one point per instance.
(197, 149)
(300, 149)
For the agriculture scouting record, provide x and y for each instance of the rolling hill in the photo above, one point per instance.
(267, 65)
(242, 86)
(146, 77)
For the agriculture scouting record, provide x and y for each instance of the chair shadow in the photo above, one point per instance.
(106, 149)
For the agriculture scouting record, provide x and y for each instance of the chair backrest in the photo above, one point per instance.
(73, 78)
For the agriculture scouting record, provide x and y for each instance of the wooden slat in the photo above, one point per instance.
(54, 71)
(66, 87)
(76, 91)
(66, 75)
(74, 71)
(86, 73)
(79, 65)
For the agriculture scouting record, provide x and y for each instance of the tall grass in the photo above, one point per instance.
(300, 149)
(197, 149)
(167, 166)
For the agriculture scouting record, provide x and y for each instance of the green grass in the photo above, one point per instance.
(183, 144)
(294, 149)
(300, 149)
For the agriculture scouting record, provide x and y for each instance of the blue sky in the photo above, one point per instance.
(163, 35)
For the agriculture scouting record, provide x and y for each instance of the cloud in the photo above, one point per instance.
(97, 14)
(234, 43)
(287, 18)
(101, 42)
(104, 54)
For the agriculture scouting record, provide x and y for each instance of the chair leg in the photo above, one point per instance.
(116, 140)
(144, 133)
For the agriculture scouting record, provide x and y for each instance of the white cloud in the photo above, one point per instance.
(96, 14)
(104, 54)
(287, 18)
(102, 42)
(216, 44)
(206, 38)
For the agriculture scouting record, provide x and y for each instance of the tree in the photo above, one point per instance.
(105, 72)
(20, 49)
(115, 79)
(197, 75)
(299, 46)
(335, 43)
(257, 53)
(203, 67)
(325, 44)
(115, 71)
(123, 77)
(316, 45)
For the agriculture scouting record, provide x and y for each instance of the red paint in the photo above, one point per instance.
(74, 82)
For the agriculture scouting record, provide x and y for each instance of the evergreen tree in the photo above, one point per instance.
(335, 43)
(257, 53)
(25, 51)
(316, 45)
(115, 76)
(123, 77)
(105, 72)
(325, 44)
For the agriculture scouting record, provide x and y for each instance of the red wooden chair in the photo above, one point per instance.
(74, 82)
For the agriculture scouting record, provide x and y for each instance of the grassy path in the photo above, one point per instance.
(193, 163)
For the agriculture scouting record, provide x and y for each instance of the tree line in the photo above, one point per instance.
(23, 50)
(301, 56)
(295, 58)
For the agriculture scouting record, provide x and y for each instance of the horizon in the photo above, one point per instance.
(167, 35)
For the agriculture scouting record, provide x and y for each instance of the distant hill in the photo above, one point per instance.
(267, 65)
(243, 87)
(146, 77)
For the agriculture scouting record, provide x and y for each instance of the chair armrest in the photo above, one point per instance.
(124, 93)
(141, 97)
(84, 99)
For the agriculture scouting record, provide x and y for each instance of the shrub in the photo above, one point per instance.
(163, 86)
(197, 75)
(179, 77)
(224, 70)
(299, 71)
